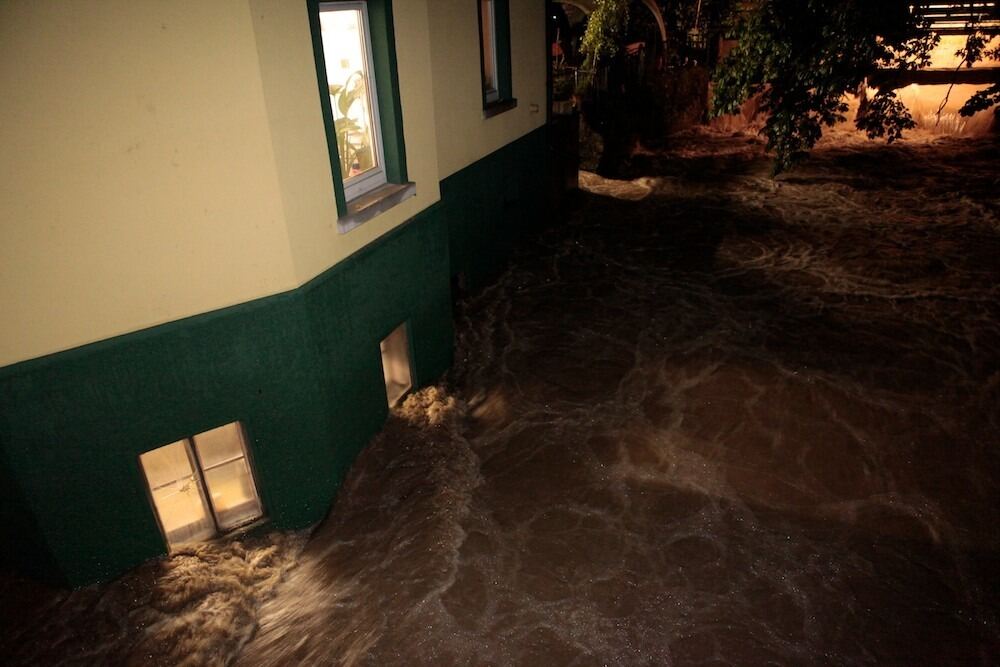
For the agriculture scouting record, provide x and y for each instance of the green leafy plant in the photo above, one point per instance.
(800, 57)
(971, 52)
(352, 156)
(605, 31)
(981, 100)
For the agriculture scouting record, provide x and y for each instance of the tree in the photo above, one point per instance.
(973, 51)
(627, 63)
(605, 32)
(801, 57)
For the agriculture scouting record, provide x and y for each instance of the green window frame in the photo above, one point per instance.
(494, 55)
(381, 39)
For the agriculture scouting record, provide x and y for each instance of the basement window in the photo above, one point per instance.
(202, 486)
(396, 364)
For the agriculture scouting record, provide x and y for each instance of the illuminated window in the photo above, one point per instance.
(396, 364)
(494, 42)
(359, 93)
(350, 80)
(202, 486)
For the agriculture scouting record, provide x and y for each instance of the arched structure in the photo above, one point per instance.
(587, 7)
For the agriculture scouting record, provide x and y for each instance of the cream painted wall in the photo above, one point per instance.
(138, 180)
(464, 136)
(288, 71)
(164, 159)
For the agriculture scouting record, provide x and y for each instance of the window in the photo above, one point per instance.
(396, 364)
(487, 28)
(354, 101)
(202, 486)
(359, 93)
(494, 42)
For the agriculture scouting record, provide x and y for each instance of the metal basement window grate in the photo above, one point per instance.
(202, 486)
(396, 364)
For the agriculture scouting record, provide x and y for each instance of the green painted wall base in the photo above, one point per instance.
(493, 202)
(301, 370)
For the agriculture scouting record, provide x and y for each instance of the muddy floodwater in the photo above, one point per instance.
(711, 418)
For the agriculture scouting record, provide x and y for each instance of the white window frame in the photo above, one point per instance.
(362, 184)
(198, 470)
(389, 347)
(488, 28)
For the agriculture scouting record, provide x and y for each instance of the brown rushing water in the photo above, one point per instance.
(713, 419)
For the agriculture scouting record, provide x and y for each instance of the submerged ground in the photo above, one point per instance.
(712, 419)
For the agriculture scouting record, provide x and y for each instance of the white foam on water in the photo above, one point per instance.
(197, 607)
(714, 419)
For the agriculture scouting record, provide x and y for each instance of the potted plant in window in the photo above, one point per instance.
(353, 140)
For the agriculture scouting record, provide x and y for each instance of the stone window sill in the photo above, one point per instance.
(378, 201)
(498, 107)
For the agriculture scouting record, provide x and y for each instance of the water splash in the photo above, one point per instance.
(197, 607)
(715, 419)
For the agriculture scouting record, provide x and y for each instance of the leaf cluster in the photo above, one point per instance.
(800, 57)
(606, 28)
(345, 96)
(973, 51)
(981, 100)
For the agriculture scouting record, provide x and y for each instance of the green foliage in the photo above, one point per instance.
(345, 96)
(802, 56)
(605, 31)
(885, 116)
(685, 18)
(975, 49)
(562, 84)
(981, 100)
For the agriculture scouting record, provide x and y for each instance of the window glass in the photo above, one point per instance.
(487, 27)
(396, 364)
(347, 57)
(219, 445)
(222, 455)
(201, 485)
(177, 495)
(233, 495)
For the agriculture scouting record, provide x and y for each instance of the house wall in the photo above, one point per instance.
(302, 162)
(464, 135)
(492, 183)
(167, 159)
(491, 203)
(138, 173)
(301, 370)
(170, 259)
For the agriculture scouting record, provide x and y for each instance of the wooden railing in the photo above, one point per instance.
(954, 18)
